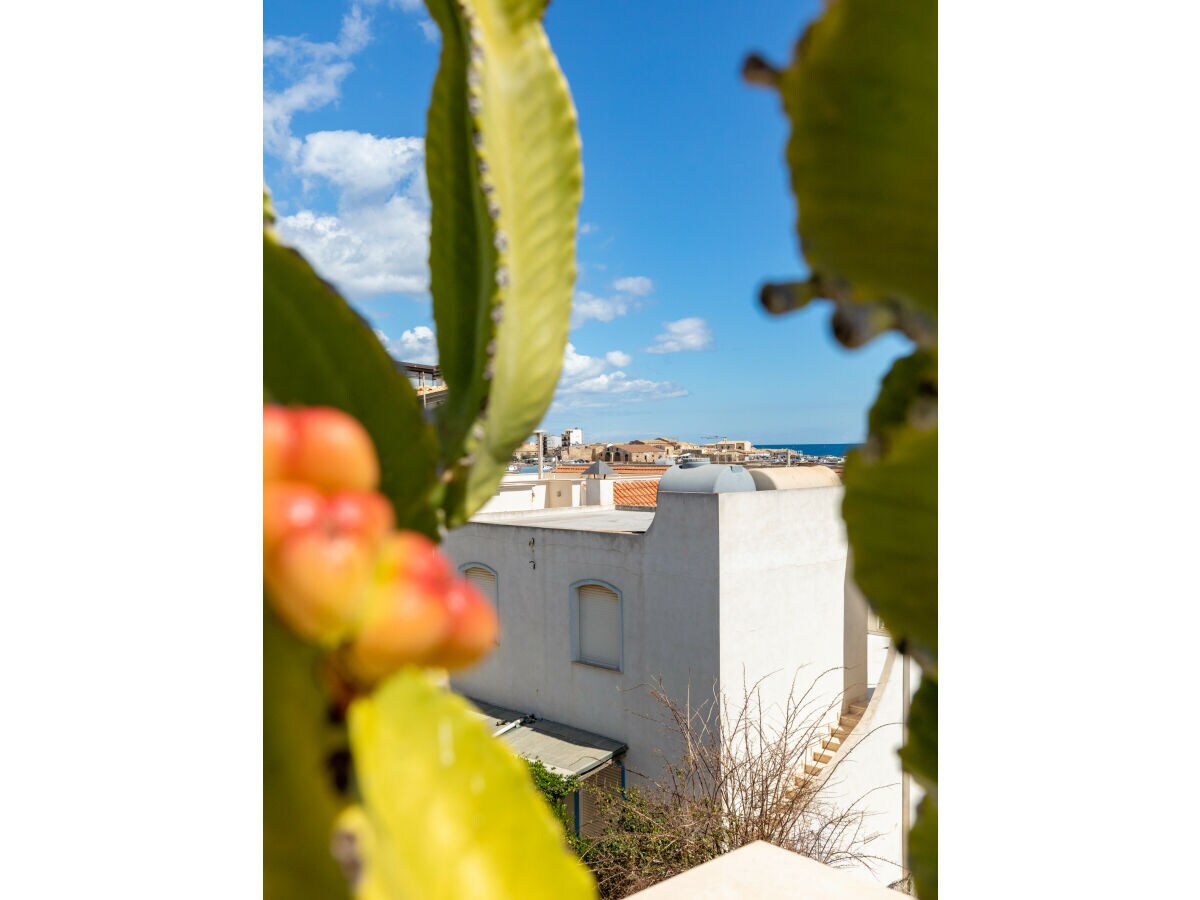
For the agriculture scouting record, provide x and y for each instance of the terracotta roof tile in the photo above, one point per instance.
(619, 468)
(636, 493)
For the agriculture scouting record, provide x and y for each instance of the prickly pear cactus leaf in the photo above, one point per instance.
(449, 811)
(505, 180)
(919, 755)
(300, 800)
(920, 750)
(319, 351)
(861, 94)
(890, 507)
(922, 850)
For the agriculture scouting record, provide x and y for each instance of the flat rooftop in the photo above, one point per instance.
(574, 518)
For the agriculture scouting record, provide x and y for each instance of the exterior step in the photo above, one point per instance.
(832, 743)
(810, 769)
(822, 756)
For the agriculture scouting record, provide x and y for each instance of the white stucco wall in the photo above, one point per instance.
(516, 496)
(782, 614)
(866, 774)
(668, 583)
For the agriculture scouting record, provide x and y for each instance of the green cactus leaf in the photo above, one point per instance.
(450, 812)
(505, 179)
(319, 351)
(300, 800)
(922, 850)
(908, 396)
(890, 508)
(861, 94)
(920, 750)
(920, 758)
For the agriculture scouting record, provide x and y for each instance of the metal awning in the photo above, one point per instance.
(560, 748)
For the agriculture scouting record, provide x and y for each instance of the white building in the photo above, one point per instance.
(715, 589)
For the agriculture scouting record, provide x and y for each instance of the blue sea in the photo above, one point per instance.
(813, 449)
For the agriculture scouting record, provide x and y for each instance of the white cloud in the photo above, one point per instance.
(377, 239)
(577, 366)
(683, 335)
(313, 73)
(429, 29)
(590, 308)
(365, 250)
(586, 382)
(638, 285)
(620, 383)
(415, 345)
(360, 163)
(406, 5)
(587, 228)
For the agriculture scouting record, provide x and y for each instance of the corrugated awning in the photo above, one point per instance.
(560, 748)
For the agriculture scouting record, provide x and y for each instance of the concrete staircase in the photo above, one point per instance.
(847, 722)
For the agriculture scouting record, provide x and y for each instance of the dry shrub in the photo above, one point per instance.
(740, 778)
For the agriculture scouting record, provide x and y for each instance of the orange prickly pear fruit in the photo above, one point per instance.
(288, 507)
(406, 620)
(320, 446)
(319, 555)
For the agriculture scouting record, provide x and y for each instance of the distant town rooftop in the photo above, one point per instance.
(418, 367)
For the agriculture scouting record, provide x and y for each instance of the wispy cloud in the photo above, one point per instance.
(638, 285)
(377, 239)
(308, 75)
(429, 29)
(587, 383)
(589, 308)
(683, 335)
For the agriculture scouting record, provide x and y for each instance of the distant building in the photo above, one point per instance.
(727, 451)
(427, 381)
(572, 437)
(629, 453)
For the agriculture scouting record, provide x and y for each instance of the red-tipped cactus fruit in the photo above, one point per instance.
(320, 446)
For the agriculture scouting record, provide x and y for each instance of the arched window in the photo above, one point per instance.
(483, 579)
(596, 624)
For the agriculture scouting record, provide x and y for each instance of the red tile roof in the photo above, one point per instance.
(619, 468)
(636, 493)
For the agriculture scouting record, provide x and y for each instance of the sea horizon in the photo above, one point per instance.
(814, 449)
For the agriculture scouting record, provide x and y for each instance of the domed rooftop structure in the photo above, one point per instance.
(699, 476)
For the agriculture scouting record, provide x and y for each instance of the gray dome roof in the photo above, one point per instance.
(702, 477)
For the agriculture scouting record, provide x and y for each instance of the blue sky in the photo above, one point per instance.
(686, 209)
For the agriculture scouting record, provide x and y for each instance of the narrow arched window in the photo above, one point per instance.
(483, 579)
(596, 620)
